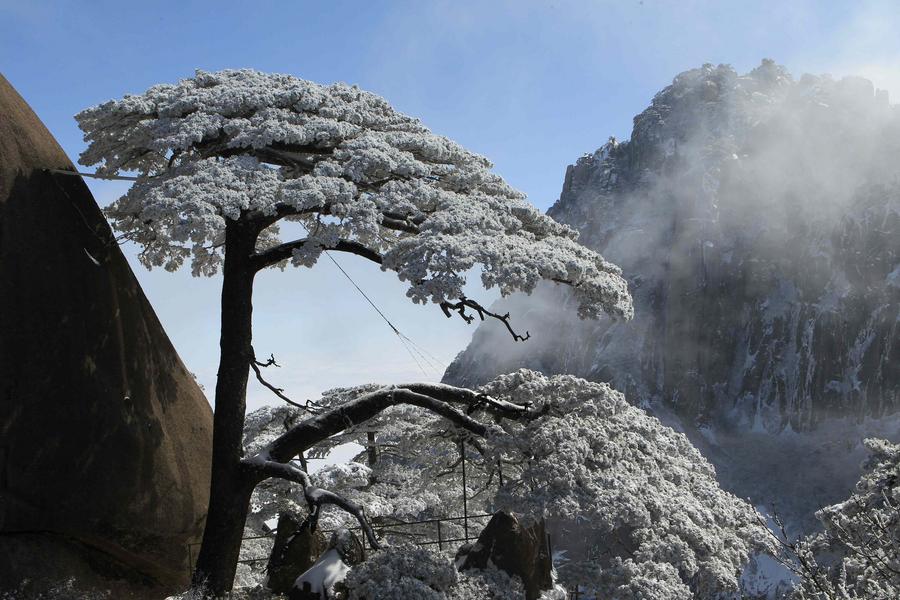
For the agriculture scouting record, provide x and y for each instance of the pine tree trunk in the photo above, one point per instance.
(230, 486)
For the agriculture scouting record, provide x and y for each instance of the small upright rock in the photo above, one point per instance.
(318, 582)
(511, 547)
(296, 549)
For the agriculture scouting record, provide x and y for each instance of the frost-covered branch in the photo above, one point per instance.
(285, 251)
(470, 398)
(320, 427)
(360, 176)
(255, 365)
(315, 497)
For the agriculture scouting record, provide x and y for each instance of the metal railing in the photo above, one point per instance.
(575, 594)
(394, 529)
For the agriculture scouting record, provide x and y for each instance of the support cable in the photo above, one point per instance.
(413, 349)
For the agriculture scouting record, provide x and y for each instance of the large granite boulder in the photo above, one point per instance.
(105, 437)
(518, 549)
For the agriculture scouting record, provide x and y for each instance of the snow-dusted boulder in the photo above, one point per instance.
(295, 550)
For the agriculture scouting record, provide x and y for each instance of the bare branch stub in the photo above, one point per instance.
(464, 303)
(270, 362)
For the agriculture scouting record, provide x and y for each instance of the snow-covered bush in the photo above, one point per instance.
(649, 494)
(585, 455)
(632, 580)
(201, 593)
(415, 573)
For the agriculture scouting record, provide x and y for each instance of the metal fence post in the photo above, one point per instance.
(462, 449)
(372, 448)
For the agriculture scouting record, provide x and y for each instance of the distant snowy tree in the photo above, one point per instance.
(858, 553)
(223, 158)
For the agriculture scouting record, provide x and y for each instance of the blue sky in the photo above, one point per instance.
(532, 84)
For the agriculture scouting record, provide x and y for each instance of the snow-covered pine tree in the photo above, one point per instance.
(223, 158)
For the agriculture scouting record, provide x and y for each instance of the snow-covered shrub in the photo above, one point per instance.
(254, 593)
(415, 573)
(652, 498)
(583, 454)
(858, 553)
(630, 580)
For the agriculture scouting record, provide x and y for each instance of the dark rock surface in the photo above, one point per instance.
(514, 548)
(105, 437)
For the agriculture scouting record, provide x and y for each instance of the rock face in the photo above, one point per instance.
(105, 438)
(757, 218)
(511, 547)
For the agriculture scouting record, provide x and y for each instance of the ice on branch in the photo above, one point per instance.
(343, 163)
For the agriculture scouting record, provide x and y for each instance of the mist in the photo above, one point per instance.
(757, 220)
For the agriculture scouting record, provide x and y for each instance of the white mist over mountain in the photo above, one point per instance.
(757, 218)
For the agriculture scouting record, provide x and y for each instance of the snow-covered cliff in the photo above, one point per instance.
(757, 218)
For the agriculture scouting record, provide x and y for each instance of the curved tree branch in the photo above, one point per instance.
(274, 459)
(436, 398)
(284, 154)
(315, 497)
(470, 398)
(399, 225)
(255, 365)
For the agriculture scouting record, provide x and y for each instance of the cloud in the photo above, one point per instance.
(864, 42)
